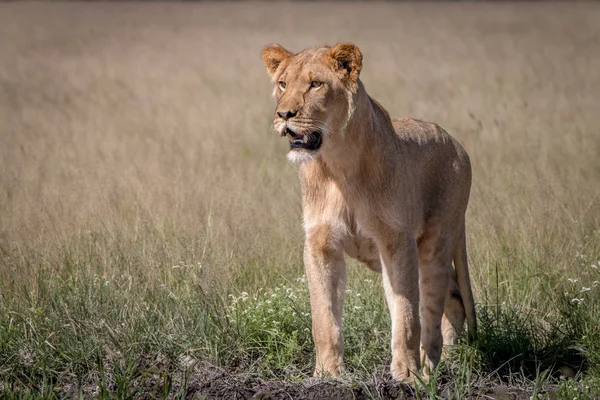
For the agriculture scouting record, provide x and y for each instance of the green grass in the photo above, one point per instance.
(84, 333)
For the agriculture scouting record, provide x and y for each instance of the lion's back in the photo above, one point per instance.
(431, 142)
(439, 163)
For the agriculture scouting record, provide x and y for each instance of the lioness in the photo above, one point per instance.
(390, 193)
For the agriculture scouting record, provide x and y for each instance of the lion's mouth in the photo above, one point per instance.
(311, 141)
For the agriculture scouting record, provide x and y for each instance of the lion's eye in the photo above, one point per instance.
(282, 85)
(316, 84)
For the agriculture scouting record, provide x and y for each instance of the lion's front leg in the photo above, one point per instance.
(401, 286)
(326, 274)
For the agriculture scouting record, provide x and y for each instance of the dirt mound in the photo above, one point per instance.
(244, 387)
(215, 383)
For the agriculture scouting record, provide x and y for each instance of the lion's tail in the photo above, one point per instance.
(464, 283)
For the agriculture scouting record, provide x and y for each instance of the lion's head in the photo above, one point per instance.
(315, 94)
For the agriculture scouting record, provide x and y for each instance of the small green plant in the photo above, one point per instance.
(272, 327)
(579, 389)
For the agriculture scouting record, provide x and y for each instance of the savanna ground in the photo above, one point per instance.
(150, 232)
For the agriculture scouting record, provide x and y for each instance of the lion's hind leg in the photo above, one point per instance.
(454, 311)
(434, 257)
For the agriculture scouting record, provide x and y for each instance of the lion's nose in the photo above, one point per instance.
(287, 114)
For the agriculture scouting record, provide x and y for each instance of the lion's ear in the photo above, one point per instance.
(347, 59)
(273, 55)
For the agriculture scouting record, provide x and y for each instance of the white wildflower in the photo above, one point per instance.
(577, 301)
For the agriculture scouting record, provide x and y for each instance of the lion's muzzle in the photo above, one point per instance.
(309, 141)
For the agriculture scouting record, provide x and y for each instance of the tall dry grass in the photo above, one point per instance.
(137, 136)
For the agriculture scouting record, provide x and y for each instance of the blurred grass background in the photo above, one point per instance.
(140, 182)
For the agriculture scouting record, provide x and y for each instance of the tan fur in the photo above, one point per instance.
(391, 194)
